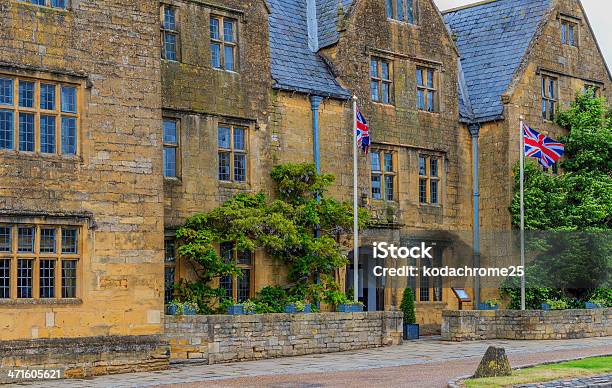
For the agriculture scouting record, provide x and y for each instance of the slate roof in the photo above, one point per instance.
(327, 15)
(492, 39)
(294, 66)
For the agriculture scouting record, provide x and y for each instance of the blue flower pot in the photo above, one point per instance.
(487, 306)
(349, 308)
(189, 311)
(545, 306)
(171, 309)
(236, 309)
(411, 331)
(291, 309)
(589, 305)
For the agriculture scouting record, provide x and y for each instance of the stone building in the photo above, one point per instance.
(519, 58)
(81, 193)
(120, 120)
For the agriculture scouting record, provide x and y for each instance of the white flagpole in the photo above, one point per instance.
(355, 209)
(522, 177)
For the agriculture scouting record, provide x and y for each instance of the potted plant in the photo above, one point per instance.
(182, 308)
(594, 304)
(490, 304)
(350, 307)
(411, 328)
(249, 307)
(346, 305)
(235, 309)
(553, 304)
(297, 307)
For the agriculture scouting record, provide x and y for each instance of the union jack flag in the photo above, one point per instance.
(363, 132)
(541, 147)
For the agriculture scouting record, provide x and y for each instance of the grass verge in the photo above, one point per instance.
(591, 366)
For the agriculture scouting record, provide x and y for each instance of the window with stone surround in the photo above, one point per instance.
(223, 42)
(383, 174)
(401, 10)
(596, 89)
(425, 288)
(171, 147)
(39, 261)
(170, 33)
(233, 148)
(381, 83)
(549, 97)
(569, 32)
(426, 89)
(38, 116)
(429, 179)
(61, 4)
(237, 288)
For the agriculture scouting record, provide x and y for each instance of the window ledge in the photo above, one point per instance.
(436, 113)
(172, 180)
(383, 104)
(36, 7)
(225, 71)
(402, 22)
(234, 185)
(430, 206)
(37, 156)
(434, 304)
(36, 302)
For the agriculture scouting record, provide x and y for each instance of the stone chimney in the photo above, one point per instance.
(313, 25)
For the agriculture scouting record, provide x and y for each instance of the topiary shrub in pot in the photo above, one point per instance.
(411, 328)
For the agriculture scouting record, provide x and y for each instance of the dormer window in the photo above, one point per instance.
(402, 10)
(569, 33)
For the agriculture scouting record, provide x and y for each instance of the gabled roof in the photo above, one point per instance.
(294, 66)
(327, 15)
(492, 38)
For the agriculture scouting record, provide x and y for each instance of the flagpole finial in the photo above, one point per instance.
(354, 97)
(522, 117)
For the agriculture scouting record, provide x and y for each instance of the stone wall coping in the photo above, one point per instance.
(325, 316)
(519, 313)
(49, 345)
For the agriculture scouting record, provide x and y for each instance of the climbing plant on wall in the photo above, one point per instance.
(301, 226)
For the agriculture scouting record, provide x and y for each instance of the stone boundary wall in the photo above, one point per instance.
(87, 356)
(227, 338)
(472, 325)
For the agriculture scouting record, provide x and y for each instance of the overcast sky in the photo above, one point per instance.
(598, 12)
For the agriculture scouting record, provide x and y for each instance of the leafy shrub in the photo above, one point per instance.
(557, 304)
(602, 296)
(271, 299)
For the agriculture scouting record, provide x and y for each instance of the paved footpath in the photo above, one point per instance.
(425, 363)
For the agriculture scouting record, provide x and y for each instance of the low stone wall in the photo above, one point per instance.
(87, 356)
(227, 338)
(530, 325)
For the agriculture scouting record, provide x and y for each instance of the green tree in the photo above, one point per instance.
(575, 208)
(286, 228)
